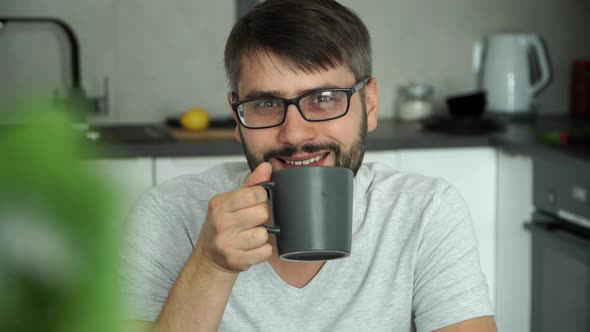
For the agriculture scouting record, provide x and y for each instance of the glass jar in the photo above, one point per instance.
(415, 102)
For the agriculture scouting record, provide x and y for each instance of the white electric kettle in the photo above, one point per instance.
(506, 72)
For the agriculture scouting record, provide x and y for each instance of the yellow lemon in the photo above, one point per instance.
(195, 119)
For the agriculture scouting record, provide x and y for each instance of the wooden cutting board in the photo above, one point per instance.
(205, 135)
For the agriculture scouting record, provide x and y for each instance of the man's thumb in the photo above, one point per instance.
(260, 174)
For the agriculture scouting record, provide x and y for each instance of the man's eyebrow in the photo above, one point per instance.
(259, 94)
(321, 87)
(256, 94)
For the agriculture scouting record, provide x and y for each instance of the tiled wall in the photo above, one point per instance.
(162, 57)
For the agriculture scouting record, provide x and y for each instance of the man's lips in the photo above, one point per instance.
(303, 161)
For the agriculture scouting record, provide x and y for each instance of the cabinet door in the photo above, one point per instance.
(387, 157)
(515, 206)
(129, 178)
(473, 172)
(167, 168)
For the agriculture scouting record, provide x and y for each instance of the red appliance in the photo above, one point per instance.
(580, 89)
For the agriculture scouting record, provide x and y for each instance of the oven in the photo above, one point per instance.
(560, 228)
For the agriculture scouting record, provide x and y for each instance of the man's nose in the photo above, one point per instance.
(296, 130)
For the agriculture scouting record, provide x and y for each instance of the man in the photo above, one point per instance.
(303, 95)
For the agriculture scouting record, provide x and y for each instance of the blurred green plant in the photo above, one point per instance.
(57, 233)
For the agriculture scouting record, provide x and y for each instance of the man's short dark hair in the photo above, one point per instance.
(309, 35)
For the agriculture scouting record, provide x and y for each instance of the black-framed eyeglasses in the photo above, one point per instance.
(314, 106)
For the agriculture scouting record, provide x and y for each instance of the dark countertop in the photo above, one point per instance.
(523, 138)
(515, 137)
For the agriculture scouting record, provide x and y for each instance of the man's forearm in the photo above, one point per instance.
(198, 298)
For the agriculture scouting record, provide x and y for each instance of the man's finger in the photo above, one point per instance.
(257, 255)
(243, 198)
(251, 238)
(260, 174)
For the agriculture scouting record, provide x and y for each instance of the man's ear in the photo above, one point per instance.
(237, 129)
(372, 103)
(235, 117)
(230, 99)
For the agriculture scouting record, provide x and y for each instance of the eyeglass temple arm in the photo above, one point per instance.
(361, 84)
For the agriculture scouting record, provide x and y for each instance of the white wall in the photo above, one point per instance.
(165, 56)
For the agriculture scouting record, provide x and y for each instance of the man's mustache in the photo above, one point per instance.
(290, 150)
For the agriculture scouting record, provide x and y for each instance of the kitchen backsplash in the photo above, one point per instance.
(163, 57)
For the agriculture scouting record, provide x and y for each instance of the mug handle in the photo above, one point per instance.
(269, 186)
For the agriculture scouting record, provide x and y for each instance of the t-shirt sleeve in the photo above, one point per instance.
(155, 247)
(449, 284)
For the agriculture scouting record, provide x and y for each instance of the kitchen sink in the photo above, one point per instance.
(129, 134)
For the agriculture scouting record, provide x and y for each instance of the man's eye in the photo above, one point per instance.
(324, 97)
(267, 104)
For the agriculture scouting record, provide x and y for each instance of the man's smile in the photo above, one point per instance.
(307, 160)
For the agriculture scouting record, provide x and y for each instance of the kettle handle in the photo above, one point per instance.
(477, 55)
(535, 42)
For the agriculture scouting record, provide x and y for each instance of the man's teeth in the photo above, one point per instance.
(303, 162)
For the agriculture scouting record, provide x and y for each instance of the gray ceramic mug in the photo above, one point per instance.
(312, 212)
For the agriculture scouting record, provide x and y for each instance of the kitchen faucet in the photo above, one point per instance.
(77, 96)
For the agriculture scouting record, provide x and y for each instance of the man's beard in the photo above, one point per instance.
(351, 159)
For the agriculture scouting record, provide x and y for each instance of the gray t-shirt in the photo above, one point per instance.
(414, 262)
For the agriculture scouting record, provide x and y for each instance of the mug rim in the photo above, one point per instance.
(340, 252)
(310, 167)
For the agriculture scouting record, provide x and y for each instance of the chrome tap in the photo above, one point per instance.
(77, 96)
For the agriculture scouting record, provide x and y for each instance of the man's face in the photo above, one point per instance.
(298, 142)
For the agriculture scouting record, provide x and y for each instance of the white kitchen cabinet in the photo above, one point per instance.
(167, 168)
(473, 172)
(388, 157)
(129, 178)
(515, 206)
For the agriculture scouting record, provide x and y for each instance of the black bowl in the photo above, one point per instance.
(467, 105)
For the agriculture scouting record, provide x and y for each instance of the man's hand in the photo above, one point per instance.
(231, 238)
